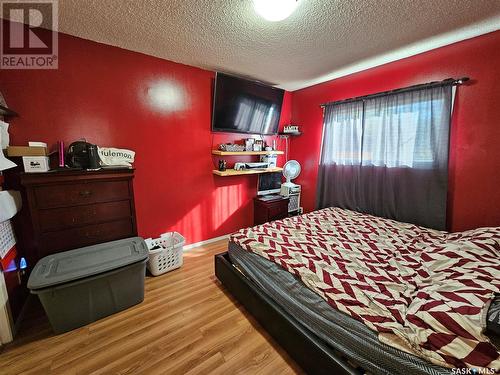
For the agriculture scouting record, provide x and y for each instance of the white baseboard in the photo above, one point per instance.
(206, 242)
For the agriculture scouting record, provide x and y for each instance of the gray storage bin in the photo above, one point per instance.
(80, 286)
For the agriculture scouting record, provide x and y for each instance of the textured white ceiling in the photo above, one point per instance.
(320, 41)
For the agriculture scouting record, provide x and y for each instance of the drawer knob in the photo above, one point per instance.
(86, 193)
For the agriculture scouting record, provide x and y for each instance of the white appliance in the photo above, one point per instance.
(271, 160)
(243, 166)
(291, 170)
(256, 165)
(239, 166)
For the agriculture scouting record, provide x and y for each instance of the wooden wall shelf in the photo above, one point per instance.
(233, 172)
(243, 153)
(287, 135)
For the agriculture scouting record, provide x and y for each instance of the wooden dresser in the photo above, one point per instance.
(269, 210)
(70, 209)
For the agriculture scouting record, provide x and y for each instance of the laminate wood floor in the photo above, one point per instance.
(187, 324)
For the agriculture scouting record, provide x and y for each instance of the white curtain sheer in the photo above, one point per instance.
(388, 156)
(343, 130)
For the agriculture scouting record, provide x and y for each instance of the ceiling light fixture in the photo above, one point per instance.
(275, 10)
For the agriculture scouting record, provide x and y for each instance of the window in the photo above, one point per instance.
(385, 134)
(388, 156)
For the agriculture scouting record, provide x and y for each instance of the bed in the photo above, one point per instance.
(269, 269)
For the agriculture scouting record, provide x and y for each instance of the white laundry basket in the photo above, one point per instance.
(165, 253)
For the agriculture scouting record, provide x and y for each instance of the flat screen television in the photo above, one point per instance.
(243, 106)
(269, 183)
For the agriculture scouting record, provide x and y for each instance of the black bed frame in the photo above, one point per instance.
(308, 350)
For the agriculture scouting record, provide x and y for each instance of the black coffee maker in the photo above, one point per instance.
(83, 155)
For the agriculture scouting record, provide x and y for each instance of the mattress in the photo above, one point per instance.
(424, 292)
(350, 337)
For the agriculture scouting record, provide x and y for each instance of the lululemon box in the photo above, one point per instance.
(78, 287)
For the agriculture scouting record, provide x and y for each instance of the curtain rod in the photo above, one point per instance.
(445, 82)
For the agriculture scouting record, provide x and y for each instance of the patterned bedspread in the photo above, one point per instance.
(424, 291)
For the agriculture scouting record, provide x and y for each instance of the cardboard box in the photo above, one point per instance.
(36, 164)
(13, 151)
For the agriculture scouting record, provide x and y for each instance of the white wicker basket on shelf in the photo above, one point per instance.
(165, 253)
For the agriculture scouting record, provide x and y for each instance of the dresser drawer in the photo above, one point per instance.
(69, 239)
(68, 217)
(269, 210)
(80, 193)
(278, 211)
(278, 216)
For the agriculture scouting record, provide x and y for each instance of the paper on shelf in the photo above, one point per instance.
(37, 144)
(10, 204)
(4, 135)
(4, 162)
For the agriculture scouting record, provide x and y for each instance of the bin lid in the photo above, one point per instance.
(86, 261)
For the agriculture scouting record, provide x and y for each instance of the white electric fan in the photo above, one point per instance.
(291, 170)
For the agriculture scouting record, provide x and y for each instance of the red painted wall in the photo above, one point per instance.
(101, 93)
(474, 178)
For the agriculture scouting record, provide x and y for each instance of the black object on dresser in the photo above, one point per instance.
(69, 209)
(269, 209)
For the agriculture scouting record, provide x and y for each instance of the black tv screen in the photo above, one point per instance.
(269, 183)
(243, 106)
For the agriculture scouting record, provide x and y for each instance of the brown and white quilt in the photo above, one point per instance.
(424, 291)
